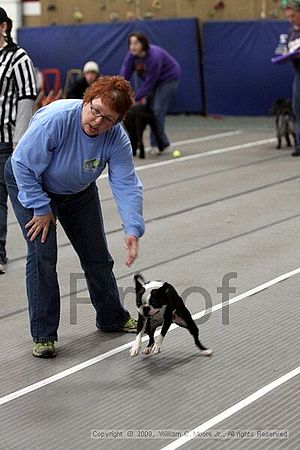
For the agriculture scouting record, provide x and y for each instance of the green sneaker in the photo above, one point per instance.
(44, 349)
(129, 326)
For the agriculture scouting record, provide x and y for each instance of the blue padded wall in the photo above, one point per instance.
(238, 74)
(66, 47)
(239, 78)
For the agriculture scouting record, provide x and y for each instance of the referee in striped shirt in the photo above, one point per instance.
(17, 94)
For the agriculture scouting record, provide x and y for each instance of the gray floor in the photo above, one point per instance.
(235, 210)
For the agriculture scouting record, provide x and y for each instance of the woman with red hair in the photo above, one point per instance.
(52, 175)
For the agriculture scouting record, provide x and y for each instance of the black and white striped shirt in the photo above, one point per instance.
(17, 82)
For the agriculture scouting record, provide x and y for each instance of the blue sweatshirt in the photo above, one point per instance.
(157, 65)
(56, 155)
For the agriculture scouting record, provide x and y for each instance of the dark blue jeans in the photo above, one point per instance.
(162, 96)
(5, 152)
(296, 107)
(81, 218)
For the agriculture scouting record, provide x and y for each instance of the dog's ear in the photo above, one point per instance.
(170, 291)
(277, 106)
(139, 281)
(274, 110)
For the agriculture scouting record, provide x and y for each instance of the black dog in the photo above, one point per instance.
(158, 304)
(285, 121)
(135, 122)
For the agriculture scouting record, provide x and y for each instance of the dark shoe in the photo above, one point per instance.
(129, 326)
(44, 349)
(2, 266)
(296, 153)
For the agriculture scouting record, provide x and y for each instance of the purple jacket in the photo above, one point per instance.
(157, 65)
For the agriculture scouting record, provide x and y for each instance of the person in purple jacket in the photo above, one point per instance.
(160, 73)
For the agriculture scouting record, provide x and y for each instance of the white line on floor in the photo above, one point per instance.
(114, 351)
(205, 138)
(199, 155)
(232, 410)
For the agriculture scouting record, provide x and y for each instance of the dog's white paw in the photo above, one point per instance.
(147, 350)
(134, 351)
(207, 352)
(156, 349)
(157, 346)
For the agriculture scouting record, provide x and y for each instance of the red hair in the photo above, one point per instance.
(114, 91)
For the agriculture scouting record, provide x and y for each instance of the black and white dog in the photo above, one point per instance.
(135, 123)
(284, 121)
(158, 304)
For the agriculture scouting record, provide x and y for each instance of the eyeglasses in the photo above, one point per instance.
(106, 120)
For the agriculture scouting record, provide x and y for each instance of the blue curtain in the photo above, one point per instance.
(66, 47)
(238, 74)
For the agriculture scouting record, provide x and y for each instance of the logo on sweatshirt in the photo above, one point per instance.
(91, 165)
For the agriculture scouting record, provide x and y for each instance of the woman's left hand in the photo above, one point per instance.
(131, 244)
(40, 224)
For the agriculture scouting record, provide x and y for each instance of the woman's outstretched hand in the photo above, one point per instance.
(131, 244)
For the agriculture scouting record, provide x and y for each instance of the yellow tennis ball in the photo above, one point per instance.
(176, 154)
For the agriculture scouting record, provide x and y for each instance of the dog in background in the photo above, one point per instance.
(284, 121)
(135, 123)
(158, 303)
